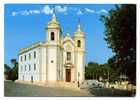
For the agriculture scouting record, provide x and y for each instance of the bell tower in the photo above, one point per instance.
(53, 31)
(79, 41)
(53, 50)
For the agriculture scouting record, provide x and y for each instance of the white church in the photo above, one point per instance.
(59, 58)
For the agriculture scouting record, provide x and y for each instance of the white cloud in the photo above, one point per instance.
(47, 10)
(96, 12)
(89, 10)
(34, 11)
(79, 12)
(25, 13)
(58, 9)
(73, 9)
(14, 13)
(103, 11)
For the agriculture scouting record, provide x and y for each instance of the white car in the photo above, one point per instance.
(87, 84)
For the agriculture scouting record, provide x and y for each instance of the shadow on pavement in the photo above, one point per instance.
(109, 92)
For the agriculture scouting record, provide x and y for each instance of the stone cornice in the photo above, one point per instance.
(68, 39)
(36, 45)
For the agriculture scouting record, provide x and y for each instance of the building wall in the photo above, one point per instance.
(26, 67)
(69, 47)
(79, 55)
(43, 64)
(59, 70)
(52, 64)
(51, 57)
(80, 66)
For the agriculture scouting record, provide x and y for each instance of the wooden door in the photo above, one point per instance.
(68, 75)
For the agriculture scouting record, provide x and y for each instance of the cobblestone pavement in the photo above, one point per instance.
(13, 89)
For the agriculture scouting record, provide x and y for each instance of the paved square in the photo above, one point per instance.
(12, 89)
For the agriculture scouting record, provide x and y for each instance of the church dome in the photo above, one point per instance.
(67, 34)
(53, 23)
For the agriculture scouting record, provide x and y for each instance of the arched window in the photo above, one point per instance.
(21, 68)
(29, 67)
(25, 57)
(52, 35)
(21, 58)
(25, 68)
(79, 43)
(68, 56)
(34, 66)
(34, 54)
(29, 56)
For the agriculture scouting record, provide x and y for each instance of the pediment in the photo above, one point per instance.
(67, 40)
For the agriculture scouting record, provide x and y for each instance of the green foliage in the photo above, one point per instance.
(11, 73)
(6, 71)
(91, 70)
(6, 68)
(15, 72)
(94, 71)
(120, 35)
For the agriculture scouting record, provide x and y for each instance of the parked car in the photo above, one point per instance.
(88, 84)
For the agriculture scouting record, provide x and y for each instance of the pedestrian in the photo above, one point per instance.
(78, 84)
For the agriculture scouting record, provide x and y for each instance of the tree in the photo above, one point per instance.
(6, 71)
(91, 70)
(120, 35)
(6, 68)
(14, 71)
(95, 71)
(11, 73)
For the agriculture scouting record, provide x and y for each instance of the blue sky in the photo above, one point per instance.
(25, 24)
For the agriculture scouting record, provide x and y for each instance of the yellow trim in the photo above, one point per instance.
(23, 50)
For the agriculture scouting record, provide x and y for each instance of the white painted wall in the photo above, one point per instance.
(28, 73)
(80, 66)
(68, 47)
(47, 70)
(43, 64)
(51, 51)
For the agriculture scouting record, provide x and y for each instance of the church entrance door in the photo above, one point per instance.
(68, 75)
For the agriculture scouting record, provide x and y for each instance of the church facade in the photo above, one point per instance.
(59, 58)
